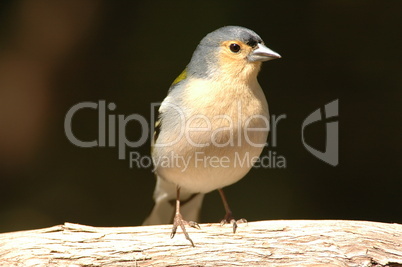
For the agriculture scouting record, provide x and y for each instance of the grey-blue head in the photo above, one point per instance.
(229, 47)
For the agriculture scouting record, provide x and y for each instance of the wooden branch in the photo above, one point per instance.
(264, 243)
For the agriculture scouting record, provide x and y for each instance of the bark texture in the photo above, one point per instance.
(263, 243)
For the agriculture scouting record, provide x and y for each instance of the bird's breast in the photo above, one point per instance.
(225, 112)
(221, 129)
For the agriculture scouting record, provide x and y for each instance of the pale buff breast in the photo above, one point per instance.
(221, 132)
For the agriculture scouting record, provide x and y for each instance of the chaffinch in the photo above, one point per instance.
(212, 126)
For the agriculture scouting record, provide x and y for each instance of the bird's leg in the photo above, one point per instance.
(229, 215)
(178, 220)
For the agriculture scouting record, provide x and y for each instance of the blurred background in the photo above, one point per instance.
(55, 54)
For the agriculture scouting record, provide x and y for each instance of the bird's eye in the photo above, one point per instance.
(235, 48)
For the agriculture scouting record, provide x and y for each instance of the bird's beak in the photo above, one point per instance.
(262, 53)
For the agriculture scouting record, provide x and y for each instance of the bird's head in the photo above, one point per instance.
(228, 53)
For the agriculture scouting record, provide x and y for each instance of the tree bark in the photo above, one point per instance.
(263, 243)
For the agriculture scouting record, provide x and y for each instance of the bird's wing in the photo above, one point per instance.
(158, 123)
(165, 191)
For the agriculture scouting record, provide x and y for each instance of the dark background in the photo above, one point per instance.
(55, 54)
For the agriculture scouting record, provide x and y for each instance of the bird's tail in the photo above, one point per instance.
(165, 204)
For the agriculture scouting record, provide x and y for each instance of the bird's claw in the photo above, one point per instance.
(230, 219)
(179, 221)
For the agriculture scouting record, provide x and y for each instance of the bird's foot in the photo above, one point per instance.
(179, 221)
(230, 219)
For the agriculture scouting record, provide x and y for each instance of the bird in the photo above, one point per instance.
(211, 128)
